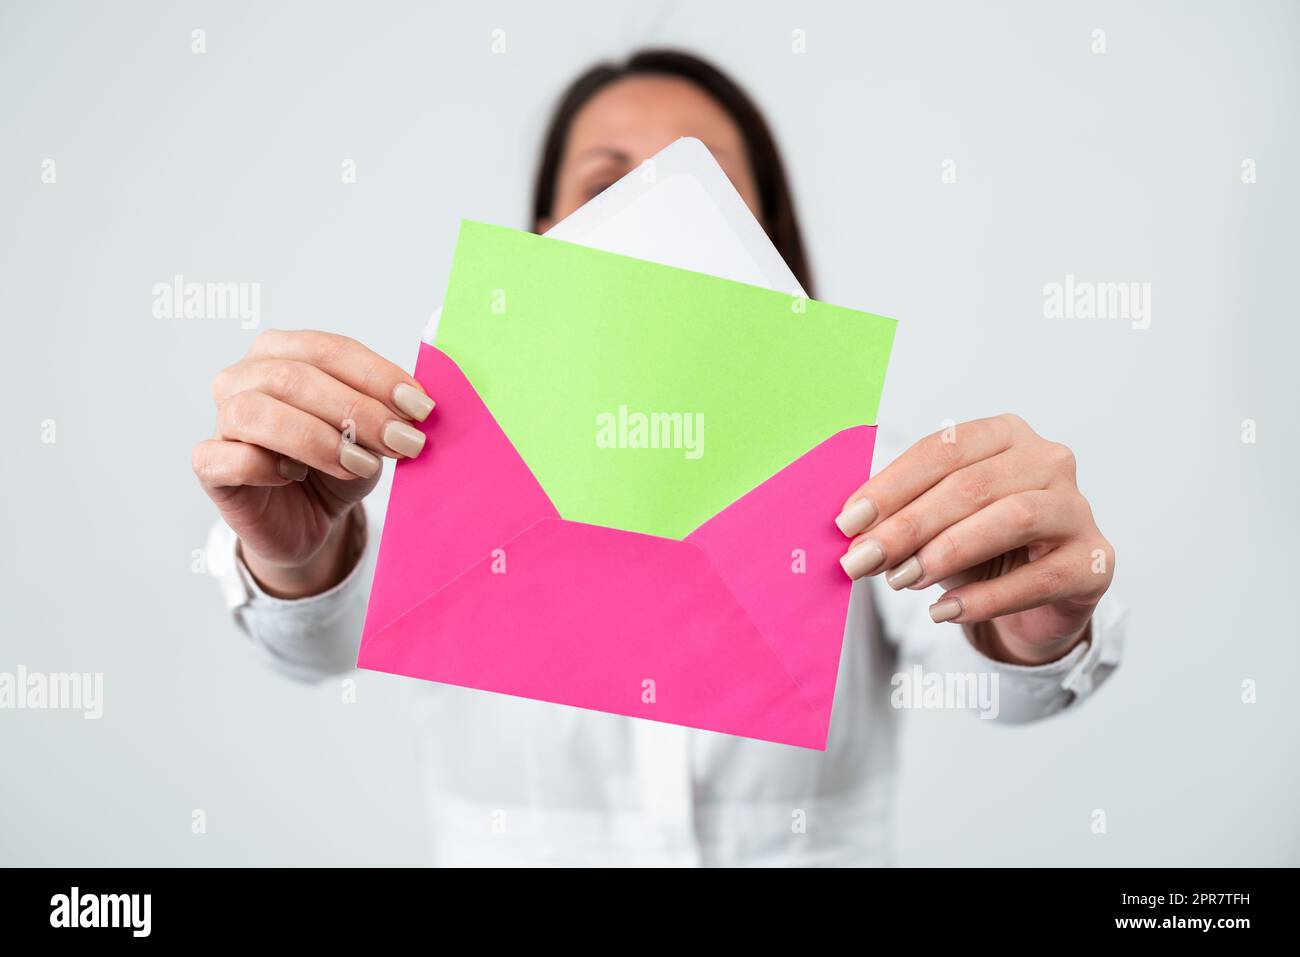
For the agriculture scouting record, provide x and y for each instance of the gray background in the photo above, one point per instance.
(225, 166)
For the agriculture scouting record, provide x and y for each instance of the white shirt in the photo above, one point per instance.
(514, 781)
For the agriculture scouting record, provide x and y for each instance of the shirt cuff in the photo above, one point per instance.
(310, 638)
(1030, 692)
(242, 588)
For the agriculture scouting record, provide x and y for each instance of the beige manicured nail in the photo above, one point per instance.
(357, 460)
(862, 558)
(856, 517)
(945, 610)
(411, 401)
(292, 469)
(908, 573)
(403, 439)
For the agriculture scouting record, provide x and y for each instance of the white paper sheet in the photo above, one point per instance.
(679, 209)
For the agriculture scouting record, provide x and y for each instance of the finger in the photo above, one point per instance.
(225, 464)
(259, 419)
(350, 362)
(923, 466)
(1061, 575)
(959, 495)
(1039, 515)
(303, 386)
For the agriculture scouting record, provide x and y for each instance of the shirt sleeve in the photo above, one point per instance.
(1024, 692)
(307, 639)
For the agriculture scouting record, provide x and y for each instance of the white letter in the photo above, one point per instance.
(694, 436)
(93, 696)
(1142, 307)
(1053, 300)
(605, 431)
(59, 916)
(144, 913)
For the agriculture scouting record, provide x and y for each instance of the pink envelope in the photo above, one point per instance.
(480, 583)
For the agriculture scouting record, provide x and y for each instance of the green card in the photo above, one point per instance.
(648, 398)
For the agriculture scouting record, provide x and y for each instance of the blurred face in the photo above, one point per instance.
(632, 119)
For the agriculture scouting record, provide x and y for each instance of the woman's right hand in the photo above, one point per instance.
(302, 421)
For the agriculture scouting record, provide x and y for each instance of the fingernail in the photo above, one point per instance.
(403, 439)
(862, 558)
(945, 610)
(291, 469)
(357, 460)
(411, 401)
(856, 517)
(908, 573)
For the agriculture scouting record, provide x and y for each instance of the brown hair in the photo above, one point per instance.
(776, 204)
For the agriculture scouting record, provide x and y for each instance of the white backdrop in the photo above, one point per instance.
(1117, 166)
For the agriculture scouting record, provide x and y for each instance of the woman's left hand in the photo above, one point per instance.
(990, 510)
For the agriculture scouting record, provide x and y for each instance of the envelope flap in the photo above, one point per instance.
(777, 549)
(643, 397)
(466, 495)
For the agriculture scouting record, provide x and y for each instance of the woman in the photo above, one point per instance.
(988, 510)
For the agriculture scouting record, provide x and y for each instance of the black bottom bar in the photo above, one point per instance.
(441, 908)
